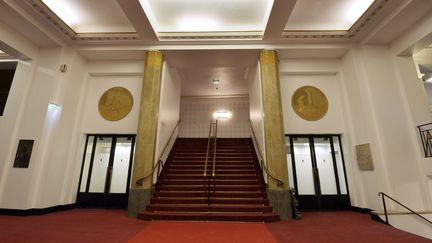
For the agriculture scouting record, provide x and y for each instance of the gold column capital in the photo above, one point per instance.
(153, 57)
(269, 57)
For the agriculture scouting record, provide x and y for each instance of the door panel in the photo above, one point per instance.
(100, 165)
(121, 165)
(324, 162)
(87, 159)
(303, 165)
(105, 173)
(318, 172)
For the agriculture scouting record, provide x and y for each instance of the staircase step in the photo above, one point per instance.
(204, 200)
(237, 192)
(200, 171)
(218, 166)
(217, 176)
(203, 193)
(217, 188)
(217, 182)
(211, 208)
(200, 216)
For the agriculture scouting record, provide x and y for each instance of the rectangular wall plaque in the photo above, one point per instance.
(24, 151)
(364, 157)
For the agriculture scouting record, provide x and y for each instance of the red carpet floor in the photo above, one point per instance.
(96, 225)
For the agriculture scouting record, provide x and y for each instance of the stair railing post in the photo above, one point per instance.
(385, 208)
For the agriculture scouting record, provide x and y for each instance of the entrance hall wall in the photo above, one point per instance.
(100, 76)
(97, 85)
(196, 114)
(325, 74)
(28, 116)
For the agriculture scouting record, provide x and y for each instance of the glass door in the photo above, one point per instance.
(106, 170)
(316, 170)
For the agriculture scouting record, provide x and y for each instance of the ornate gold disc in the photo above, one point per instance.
(115, 103)
(309, 103)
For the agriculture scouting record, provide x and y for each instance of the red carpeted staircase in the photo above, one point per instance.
(238, 193)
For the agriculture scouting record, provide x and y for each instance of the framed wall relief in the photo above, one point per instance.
(115, 103)
(310, 103)
(364, 157)
(24, 151)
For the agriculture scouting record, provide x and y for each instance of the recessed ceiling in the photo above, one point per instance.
(174, 16)
(91, 16)
(313, 15)
(198, 69)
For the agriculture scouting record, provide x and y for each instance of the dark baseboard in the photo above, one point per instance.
(378, 219)
(361, 210)
(36, 211)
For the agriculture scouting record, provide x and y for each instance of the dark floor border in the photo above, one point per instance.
(361, 210)
(36, 211)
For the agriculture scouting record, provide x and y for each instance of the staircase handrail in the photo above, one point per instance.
(160, 161)
(383, 195)
(208, 148)
(425, 132)
(262, 164)
(214, 148)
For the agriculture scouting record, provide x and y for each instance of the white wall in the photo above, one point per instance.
(169, 111)
(385, 120)
(332, 122)
(196, 114)
(93, 121)
(27, 116)
(256, 107)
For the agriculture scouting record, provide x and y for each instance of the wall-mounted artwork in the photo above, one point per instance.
(24, 151)
(310, 103)
(115, 104)
(364, 157)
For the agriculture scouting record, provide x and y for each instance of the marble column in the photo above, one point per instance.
(276, 161)
(140, 195)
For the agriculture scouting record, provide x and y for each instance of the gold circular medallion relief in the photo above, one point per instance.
(115, 103)
(309, 103)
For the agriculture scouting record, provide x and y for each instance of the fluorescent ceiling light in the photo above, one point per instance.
(222, 115)
(313, 15)
(95, 16)
(207, 15)
(216, 81)
(65, 10)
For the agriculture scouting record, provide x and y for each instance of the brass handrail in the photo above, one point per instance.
(157, 165)
(263, 166)
(214, 148)
(208, 148)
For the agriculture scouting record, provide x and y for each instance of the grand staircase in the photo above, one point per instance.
(237, 193)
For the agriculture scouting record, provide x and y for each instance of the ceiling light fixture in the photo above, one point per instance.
(222, 114)
(216, 81)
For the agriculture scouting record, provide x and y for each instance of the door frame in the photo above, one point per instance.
(319, 201)
(105, 199)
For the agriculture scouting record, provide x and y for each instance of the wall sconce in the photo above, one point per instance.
(54, 105)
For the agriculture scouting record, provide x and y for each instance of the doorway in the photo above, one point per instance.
(106, 171)
(316, 169)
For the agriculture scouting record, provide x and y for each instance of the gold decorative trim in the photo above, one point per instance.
(310, 103)
(115, 103)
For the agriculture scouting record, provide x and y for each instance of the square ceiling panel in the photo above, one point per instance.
(194, 16)
(326, 15)
(91, 16)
